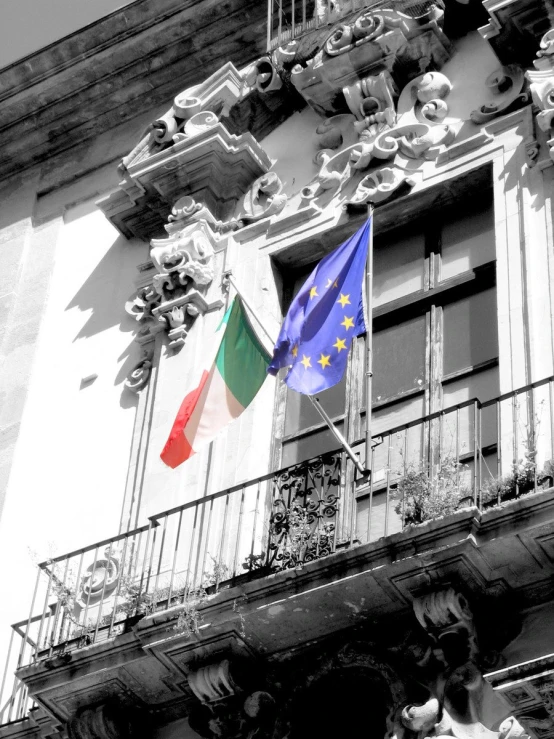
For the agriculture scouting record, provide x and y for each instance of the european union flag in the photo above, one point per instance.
(324, 318)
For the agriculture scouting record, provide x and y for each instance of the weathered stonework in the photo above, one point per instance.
(303, 603)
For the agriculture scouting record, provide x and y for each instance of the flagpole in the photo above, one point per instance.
(314, 401)
(369, 340)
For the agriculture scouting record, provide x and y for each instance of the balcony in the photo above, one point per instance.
(466, 475)
(288, 20)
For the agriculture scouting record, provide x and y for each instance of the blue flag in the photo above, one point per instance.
(324, 318)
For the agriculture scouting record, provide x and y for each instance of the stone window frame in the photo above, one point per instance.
(428, 301)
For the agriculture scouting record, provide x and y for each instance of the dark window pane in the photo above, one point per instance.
(398, 265)
(309, 446)
(468, 239)
(300, 413)
(470, 332)
(399, 359)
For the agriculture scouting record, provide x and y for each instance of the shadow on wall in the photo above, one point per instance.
(104, 293)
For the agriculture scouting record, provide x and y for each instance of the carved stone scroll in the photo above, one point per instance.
(265, 198)
(507, 85)
(176, 295)
(109, 721)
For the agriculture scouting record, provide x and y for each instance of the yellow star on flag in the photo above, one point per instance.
(313, 292)
(305, 361)
(344, 300)
(324, 360)
(340, 344)
(335, 284)
(329, 282)
(294, 351)
(348, 322)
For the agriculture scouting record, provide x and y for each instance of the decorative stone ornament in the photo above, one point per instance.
(265, 198)
(109, 721)
(189, 151)
(227, 706)
(542, 86)
(176, 295)
(507, 85)
(387, 38)
(213, 682)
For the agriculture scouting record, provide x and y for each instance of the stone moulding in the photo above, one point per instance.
(212, 166)
(189, 151)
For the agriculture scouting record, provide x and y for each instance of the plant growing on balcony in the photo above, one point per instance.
(519, 481)
(424, 496)
(524, 476)
(190, 617)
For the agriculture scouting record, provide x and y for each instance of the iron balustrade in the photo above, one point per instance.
(472, 453)
(290, 19)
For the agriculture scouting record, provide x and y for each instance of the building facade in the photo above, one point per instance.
(154, 163)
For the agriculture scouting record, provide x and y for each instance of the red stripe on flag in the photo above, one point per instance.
(177, 448)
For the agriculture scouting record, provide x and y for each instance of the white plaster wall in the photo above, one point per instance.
(241, 452)
(70, 464)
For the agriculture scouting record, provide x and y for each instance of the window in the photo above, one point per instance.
(434, 331)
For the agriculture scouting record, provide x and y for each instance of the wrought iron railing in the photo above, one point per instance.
(472, 453)
(289, 19)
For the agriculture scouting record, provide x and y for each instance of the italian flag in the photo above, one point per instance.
(232, 374)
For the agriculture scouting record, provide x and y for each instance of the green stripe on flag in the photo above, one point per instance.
(241, 360)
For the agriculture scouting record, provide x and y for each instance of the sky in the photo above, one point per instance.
(28, 25)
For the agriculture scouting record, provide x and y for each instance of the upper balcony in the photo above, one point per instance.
(288, 20)
(450, 503)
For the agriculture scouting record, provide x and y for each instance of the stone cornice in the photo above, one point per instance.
(133, 60)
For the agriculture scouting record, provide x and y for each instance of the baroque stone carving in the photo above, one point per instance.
(101, 578)
(410, 39)
(213, 682)
(236, 718)
(265, 198)
(227, 706)
(176, 295)
(542, 86)
(380, 186)
(190, 151)
(459, 699)
(109, 721)
(447, 618)
(507, 85)
(140, 374)
(371, 100)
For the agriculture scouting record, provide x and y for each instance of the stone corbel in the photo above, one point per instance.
(446, 617)
(460, 699)
(109, 721)
(212, 682)
(239, 718)
(227, 706)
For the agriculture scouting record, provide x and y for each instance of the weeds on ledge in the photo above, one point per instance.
(424, 496)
